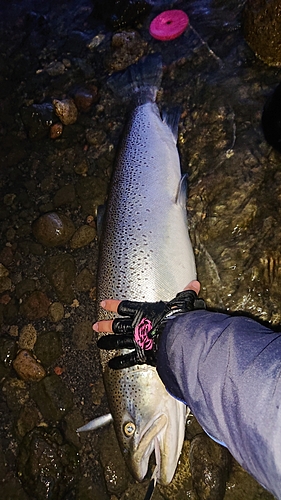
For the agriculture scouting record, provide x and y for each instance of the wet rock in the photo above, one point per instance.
(98, 392)
(55, 68)
(91, 193)
(73, 421)
(53, 229)
(48, 347)
(66, 111)
(122, 13)
(28, 337)
(16, 394)
(47, 464)
(243, 486)
(82, 236)
(64, 196)
(115, 471)
(27, 367)
(28, 419)
(81, 168)
(60, 271)
(37, 118)
(53, 398)
(7, 256)
(127, 48)
(84, 281)
(84, 98)
(88, 490)
(262, 29)
(56, 312)
(25, 286)
(3, 271)
(181, 485)
(5, 284)
(56, 130)
(209, 465)
(35, 306)
(82, 335)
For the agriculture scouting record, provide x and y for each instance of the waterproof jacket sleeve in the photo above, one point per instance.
(227, 369)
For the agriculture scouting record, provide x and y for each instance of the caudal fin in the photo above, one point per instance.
(140, 80)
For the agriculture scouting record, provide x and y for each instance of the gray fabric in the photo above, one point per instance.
(227, 370)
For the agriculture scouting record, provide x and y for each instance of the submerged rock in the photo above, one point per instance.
(127, 48)
(53, 229)
(82, 236)
(47, 464)
(262, 29)
(209, 465)
(53, 398)
(61, 271)
(35, 306)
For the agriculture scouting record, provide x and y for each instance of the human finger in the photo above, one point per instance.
(193, 285)
(104, 326)
(110, 304)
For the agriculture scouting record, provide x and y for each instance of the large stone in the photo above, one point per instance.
(53, 229)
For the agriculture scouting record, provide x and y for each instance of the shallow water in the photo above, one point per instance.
(234, 211)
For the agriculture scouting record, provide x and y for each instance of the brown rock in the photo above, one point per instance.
(66, 111)
(27, 367)
(52, 229)
(83, 236)
(84, 98)
(35, 306)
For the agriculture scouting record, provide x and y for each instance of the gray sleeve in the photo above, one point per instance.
(227, 369)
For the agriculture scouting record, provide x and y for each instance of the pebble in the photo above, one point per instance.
(27, 367)
(52, 229)
(84, 98)
(56, 130)
(55, 68)
(28, 337)
(66, 111)
(3, 271)
(128, 47)
(82, 237)
(56, 312)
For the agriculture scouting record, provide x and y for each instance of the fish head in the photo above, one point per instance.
(146, 419)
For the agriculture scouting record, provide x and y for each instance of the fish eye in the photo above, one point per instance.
(129, 429)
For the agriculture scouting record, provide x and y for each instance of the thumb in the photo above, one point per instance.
(193, 285)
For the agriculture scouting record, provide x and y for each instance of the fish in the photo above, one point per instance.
(145, 255)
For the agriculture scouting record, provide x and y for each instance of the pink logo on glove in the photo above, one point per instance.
(141, 334)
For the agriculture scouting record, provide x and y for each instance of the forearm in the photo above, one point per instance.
(227, 370)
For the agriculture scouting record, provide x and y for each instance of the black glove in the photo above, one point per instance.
(141, 327)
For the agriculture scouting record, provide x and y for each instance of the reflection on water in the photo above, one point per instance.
(48, 51)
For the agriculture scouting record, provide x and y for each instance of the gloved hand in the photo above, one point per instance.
(141, 327)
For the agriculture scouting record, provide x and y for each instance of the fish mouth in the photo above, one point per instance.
(149, 442)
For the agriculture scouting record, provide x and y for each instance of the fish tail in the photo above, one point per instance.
(140, 80)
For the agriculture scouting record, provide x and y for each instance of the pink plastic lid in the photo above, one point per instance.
(169, 25)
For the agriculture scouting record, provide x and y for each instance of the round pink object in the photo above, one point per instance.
(169, 25)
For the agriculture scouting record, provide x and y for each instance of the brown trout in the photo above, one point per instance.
(146, 254)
